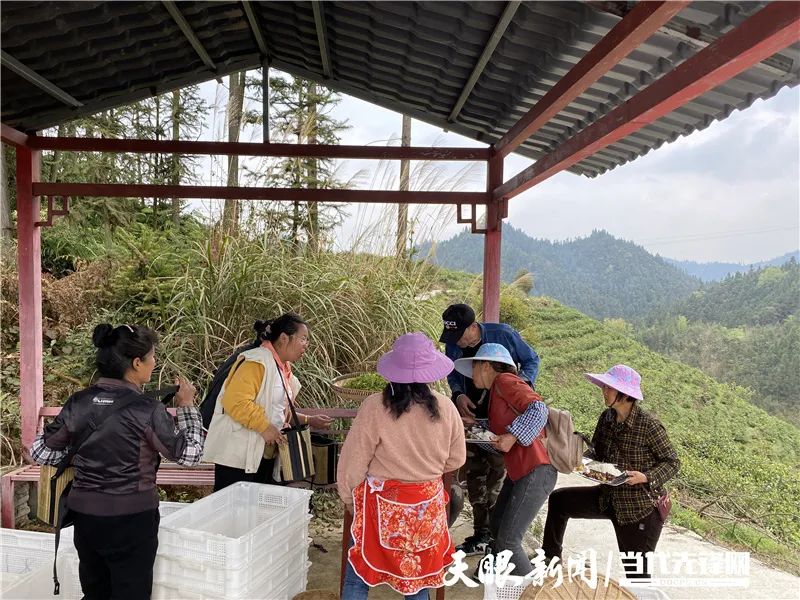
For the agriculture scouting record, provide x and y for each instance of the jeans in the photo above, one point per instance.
(355, 589)
(514, 511)
(584, 503)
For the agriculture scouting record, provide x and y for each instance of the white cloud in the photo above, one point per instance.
(730, 192)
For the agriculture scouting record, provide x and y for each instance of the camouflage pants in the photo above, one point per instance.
(485, 473)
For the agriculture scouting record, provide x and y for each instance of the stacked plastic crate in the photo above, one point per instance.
(26, 562)
(23, 553)
(246, 541)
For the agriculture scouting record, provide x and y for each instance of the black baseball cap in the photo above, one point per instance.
(456, 317)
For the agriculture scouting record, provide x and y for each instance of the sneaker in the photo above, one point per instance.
(474, 545)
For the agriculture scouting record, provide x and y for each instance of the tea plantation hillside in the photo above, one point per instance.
(739, 465)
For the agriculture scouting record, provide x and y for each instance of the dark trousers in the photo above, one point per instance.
(584, 503)
(116, 555)
(485, 473)
(225, 476)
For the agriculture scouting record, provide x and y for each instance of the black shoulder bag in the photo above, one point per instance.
(65, 518)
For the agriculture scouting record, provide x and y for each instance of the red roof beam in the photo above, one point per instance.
(13, 136)
(644, 19)
(257, 149)
(119, 190)
(767, 32)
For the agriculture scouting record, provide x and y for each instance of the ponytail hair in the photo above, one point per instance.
(118, 346)
(270, 331)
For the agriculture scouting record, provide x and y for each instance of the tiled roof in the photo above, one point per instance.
(411, 57)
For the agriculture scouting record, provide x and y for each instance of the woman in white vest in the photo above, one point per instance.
(253, 403)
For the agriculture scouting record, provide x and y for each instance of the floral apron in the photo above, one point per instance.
(400, 534)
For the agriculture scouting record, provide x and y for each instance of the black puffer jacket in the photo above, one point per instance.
(115, 469)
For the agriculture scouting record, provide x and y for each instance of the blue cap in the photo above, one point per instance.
(488, 352)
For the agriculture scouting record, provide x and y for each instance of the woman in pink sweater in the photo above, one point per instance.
(390, 475)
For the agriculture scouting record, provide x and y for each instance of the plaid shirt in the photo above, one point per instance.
(640, 443)
(527, 426)
(189, 424)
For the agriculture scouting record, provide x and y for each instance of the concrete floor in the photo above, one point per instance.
(764, 582)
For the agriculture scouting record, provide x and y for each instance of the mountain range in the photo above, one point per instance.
(600, 275)
(716, 271)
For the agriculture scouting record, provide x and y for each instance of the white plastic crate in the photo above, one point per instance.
(234, 526)
(167, 508)
(39, 583)
(285, 588)
(25, 551)
(511, 589)
(295, 584)
(260, 575)
(514, 586)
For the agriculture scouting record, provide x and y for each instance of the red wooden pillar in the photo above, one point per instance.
(491, 243)
(29, 265)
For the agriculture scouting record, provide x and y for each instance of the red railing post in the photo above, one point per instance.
(491, 243)
(29, 266)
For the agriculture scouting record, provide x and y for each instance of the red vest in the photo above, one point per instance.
(508, 398)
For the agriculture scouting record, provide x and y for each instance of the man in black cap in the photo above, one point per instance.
(462, 336)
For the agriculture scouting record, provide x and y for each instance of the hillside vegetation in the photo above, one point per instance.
(766, 296)
(745, 330)
(739, 465)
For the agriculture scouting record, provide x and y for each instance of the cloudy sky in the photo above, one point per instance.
(728, 193)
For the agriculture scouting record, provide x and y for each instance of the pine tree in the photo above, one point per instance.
(299, 113)
(230, 215)
(178, 115)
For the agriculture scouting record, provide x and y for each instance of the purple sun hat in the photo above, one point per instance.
(414, 359)
(620, 377)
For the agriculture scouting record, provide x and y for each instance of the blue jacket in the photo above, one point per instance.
(498, 333)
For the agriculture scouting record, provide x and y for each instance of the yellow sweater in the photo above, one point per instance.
(241, 388)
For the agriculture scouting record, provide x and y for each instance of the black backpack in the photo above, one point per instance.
(220, 375)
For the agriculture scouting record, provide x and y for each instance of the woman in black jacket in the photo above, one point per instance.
(114, 498)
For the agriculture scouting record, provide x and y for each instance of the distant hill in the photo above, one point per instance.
(765, 296)
(744, 329)
(716, 271)
(600, 275)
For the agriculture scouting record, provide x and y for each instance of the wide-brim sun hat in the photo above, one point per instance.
(487, 352)
(414, 359)
(620, 377)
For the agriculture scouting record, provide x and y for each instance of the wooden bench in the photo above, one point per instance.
(168, 473)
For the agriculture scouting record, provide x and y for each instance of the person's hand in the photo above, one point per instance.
(635, 477)
(186, 392)
(318, 421)
(466, 409)
(504, 442)
(272, 435)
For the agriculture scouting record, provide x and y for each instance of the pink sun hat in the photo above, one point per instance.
(620, 377)
(414, 359)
